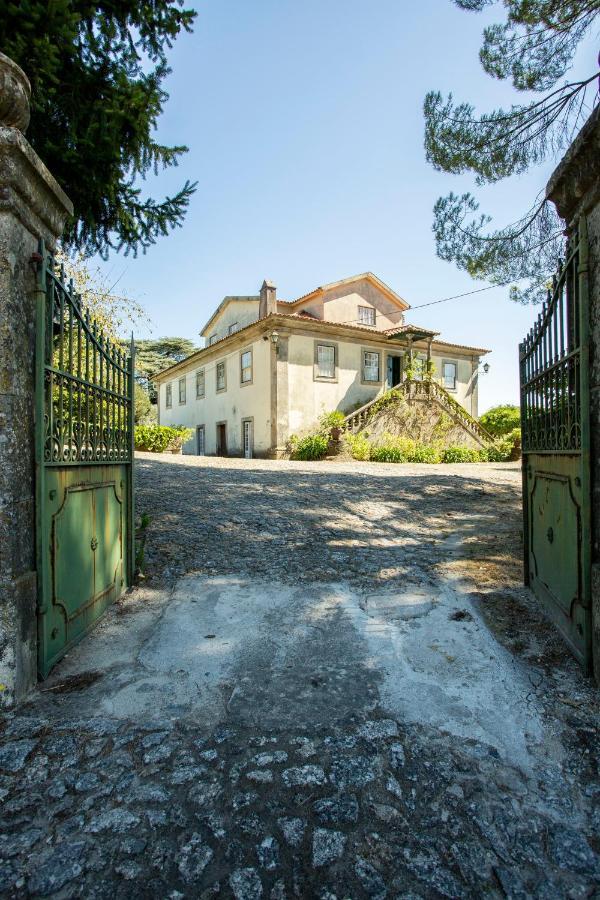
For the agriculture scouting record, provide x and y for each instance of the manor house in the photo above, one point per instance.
(270, 368)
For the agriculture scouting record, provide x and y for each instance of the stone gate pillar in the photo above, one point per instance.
(32, 206)
(574, 188)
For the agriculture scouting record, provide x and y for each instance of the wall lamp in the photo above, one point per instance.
(273, 337)
(485, 368)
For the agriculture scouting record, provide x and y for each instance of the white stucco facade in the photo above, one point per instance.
(260, 382)
(228, 406)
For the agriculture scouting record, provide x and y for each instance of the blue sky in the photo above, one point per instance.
(305, 128)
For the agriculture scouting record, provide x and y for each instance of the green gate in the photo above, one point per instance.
(554, 369)
(84, 477)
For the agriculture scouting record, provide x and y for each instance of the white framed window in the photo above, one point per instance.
(169, 396)
(366, 315)
(182, 391)
(221, 377)
(449, 375)
(370, 365)
(233, 328)
(201, 440)
(246, 367)
(248, 435)
(212, 339)
(325, 361)
(200, 384)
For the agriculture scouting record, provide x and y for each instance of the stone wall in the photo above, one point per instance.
(32, 206)
(421, 421)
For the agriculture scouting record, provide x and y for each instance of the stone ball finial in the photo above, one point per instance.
(15, 92)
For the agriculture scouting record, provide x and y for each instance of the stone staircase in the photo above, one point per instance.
(423, 392)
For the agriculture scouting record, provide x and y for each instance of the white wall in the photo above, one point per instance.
(244, 312)
(310, 398)
(237, 402)
(341, 305)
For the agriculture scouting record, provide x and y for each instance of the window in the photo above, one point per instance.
(221, 377)
(370, 365)
(366, 315)
(246, 367)
(248, 437)
(325, 361)
(200, 384)
(449, 375)
(182, 390)
(233, 328)
(212, 339)
(169, 396)
(201, 439)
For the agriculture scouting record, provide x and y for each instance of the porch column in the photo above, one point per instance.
(32, 206)
(410, 352)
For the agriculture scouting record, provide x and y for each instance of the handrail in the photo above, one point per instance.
(358, 419)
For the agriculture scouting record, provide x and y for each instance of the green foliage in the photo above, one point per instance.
(460, 454)
(142, 404)
(360, 448)
(152, 356)
(331, 420)
(441, 428)
(533, 48)
(504, 448)
(500, 420)
(111, 312)
(394, 449)
(386, 399)
(314, 446)
(401, 449)
(161, 438)
(388, 452)
(427, 453)
(97, 74)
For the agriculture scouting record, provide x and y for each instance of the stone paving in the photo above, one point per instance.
(330, 684)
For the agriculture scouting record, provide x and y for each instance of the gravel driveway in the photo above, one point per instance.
(330, 684)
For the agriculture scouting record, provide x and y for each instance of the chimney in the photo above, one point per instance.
(268, 299)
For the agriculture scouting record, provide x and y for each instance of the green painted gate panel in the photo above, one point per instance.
(556, 559)
(108, 553)
(84, 429)
(554, 364)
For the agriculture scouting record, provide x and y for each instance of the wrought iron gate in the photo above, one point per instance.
(554, 369)
(84, 478)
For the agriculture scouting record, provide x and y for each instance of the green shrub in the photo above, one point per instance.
(460, 454)
(331, 420)
(160, 438)
(401, 450)
(143, 407)
(427, 453)
(360, 448)
(501, 450)
(501, 420)
(314, 446)
(388, 453)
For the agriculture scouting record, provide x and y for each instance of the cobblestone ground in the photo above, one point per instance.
(331, 684)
